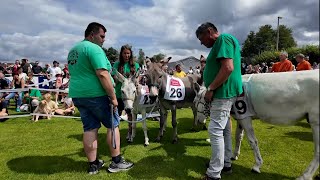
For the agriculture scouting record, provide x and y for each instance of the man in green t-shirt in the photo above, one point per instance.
(92, 91)
(222, 78)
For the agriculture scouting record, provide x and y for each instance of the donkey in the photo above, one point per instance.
(131, 94)
(279, 99)
(157, 80)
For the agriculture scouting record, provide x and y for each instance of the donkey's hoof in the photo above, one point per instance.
(129, 140)
(158, 139)
(234, 158)
(204, 127)
(257, 171)
(146, 144)
(193, 129)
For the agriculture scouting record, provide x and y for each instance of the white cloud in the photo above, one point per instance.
(46, 29)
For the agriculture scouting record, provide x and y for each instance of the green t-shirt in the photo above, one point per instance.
(226, 46)
(33, 93)
(126, 70)
(83, 61)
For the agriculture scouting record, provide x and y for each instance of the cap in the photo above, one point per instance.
(55, 62)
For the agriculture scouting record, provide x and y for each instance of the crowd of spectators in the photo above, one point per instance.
(21, 75)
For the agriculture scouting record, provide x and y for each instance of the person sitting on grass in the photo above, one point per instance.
(31, 98)
(51, 104)
(68, 106)
(3, 110)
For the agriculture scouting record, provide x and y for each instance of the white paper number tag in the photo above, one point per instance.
(144, 97)
(175, 89)
(243, 108)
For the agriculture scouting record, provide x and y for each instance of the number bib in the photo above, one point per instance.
(243, 108)
(144, 99)
(175, 89)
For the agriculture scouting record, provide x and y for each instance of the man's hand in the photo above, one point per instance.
(114, 102)
(208, 96)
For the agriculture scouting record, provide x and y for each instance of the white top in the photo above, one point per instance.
(53, 71)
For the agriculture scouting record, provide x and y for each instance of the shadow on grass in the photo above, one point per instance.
(304, 136)
(45, 165)
(304, 124)
(186, 167)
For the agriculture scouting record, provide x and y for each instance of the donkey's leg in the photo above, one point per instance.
(163, 118)
(144, 126)
(313, 166)
(247, 126)
(129, 135)
(133, 126)
(174, 124)
(239, 138)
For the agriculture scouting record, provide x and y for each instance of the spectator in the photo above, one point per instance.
(315, 65)
(65, 81)
(243, 68)
(264, 68)
(21, 74)
(250, 69)
(3, 82)
(283, 65)
(198, 70)
(15, 67)
(3, 109)
(65, 70)
(302, 63)
(31, 98)
(53, 71)
(26, 68)
(51, 104)
(17, 83)
(256, 69)
(45, 69)
(68, 106)
(190, 70)
(179, 73)
(37, 69)
(55, 75)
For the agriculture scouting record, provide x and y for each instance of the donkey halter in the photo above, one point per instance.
(205, 111)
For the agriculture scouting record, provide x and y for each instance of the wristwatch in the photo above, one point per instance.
(209, 89)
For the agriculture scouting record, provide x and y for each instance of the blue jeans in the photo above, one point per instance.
(94, 111)
(12, 95)
(220, 136)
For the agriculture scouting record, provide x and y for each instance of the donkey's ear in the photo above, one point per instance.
(196, 87)
(135, 76)
(119, 76)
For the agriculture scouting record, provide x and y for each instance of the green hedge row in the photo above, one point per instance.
(273, 56)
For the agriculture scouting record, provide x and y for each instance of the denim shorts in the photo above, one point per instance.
(94, 111)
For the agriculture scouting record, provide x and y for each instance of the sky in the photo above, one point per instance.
(45, 30)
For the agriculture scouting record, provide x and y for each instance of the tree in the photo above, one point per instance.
(141, 57)
(159, 57)
(286, 39)
(112, 54)
(249, 49)
(265, 40)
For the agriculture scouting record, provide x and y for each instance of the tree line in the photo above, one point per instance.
(258, 47)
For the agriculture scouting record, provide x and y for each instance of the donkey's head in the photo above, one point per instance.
(154, 75)
(202, 107)
(128, 90)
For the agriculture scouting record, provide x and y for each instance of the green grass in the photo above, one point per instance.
(52, 149)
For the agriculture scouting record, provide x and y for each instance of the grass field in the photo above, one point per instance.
(52, 149)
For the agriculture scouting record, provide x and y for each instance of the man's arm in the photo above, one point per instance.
(223, 74)
(105, 80)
